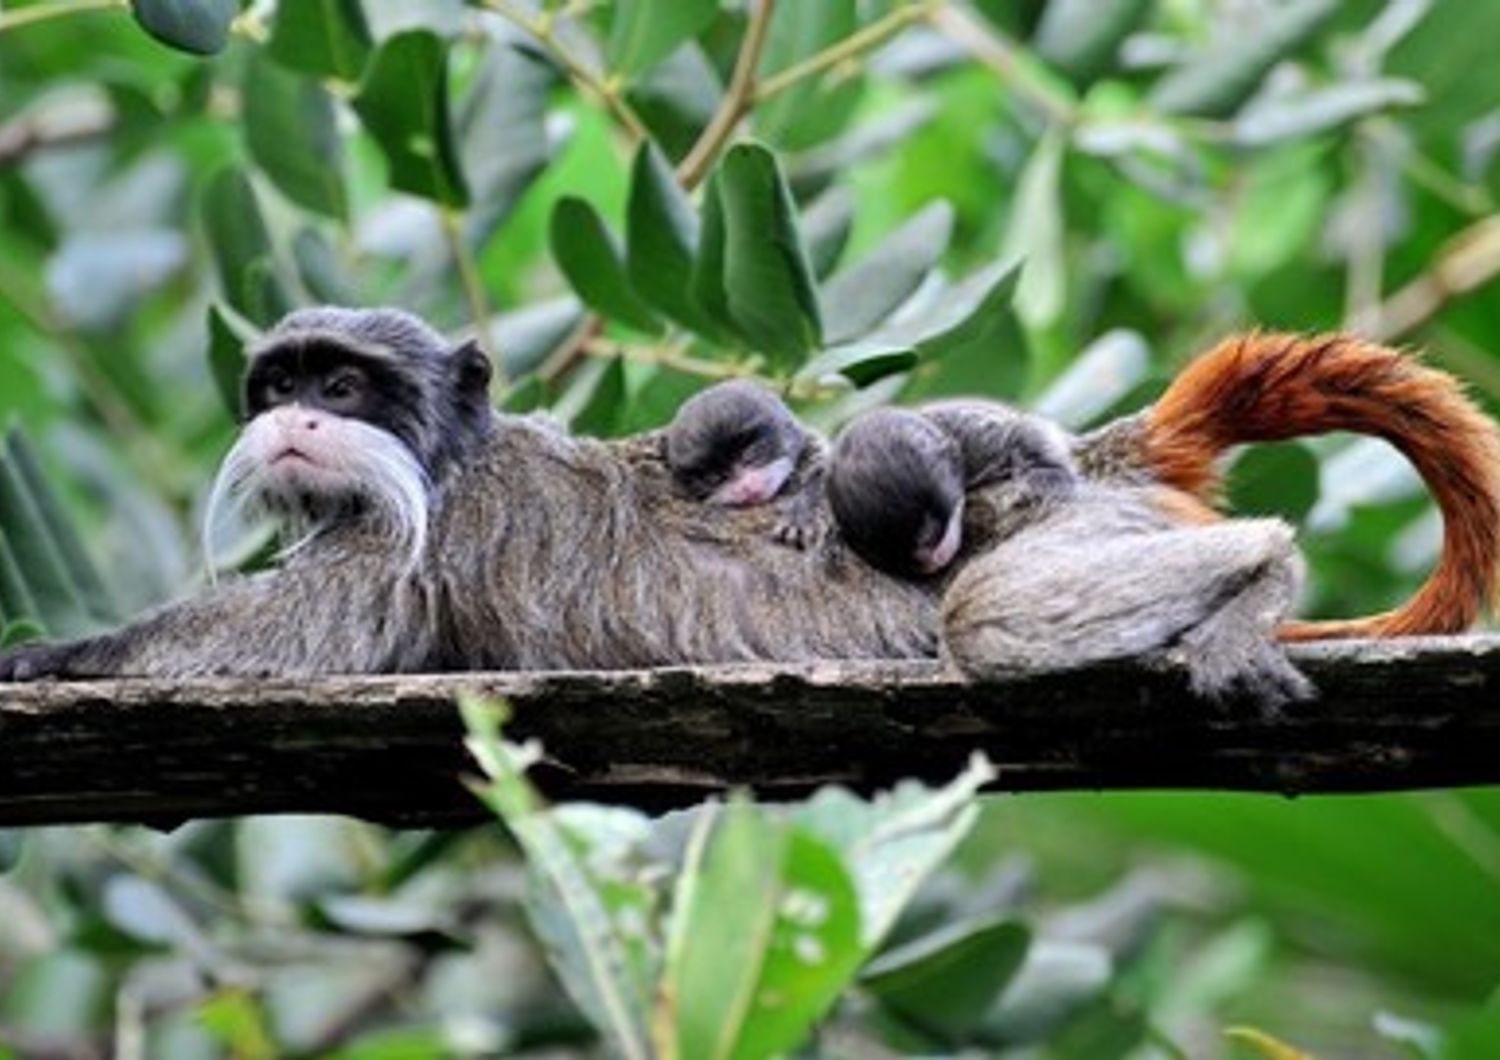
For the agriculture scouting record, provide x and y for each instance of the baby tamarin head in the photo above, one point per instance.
(896, 487)
(734, 444)
(352, 412)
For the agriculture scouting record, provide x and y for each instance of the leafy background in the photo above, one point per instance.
(1054, 203)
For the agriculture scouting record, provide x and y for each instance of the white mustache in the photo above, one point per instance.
(361, 461)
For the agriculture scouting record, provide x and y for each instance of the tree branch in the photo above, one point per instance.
(590, 81)
(737, 101)
(1392, 715)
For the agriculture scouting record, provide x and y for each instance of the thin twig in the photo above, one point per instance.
(27, 16)
(668, 357)
(473, 286)
(561, 360)
(842, 51)
(988, 46)
(737, 101)
(592, 82)
(19, 138)
(1468, 261)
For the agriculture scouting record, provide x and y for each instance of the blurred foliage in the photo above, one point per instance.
(1054, 202)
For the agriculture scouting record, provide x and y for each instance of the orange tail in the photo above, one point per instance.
(1271, 387)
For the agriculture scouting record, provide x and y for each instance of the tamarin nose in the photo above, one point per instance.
(311, 423)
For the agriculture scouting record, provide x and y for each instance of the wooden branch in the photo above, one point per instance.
(1392, 715)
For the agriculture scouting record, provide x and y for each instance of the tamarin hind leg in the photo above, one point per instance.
(1233, 651)
(1208, 597)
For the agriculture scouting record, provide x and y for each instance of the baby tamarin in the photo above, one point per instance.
(897, 478)
(737, 444)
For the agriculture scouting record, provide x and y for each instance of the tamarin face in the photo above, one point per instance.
(734, 444)
(352, 412)
(896, 487)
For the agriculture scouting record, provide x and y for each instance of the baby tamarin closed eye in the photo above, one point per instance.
(897, 479)
(737, 444)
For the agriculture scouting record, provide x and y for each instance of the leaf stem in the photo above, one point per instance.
(27, 16)
(738, 100)
(1468, 261)
(589, 80)
(993, 50)
(666, 357)
(473, 286)
(850, 47)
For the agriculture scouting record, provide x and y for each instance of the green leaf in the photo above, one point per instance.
(591, 259)
(226, 359)
(319, 269)
(589, 949)
(235, 1018)
(677, 99)
(768, 282)
(1081, 37)
(403, 102)
(21, 630)
(826, 225)
(524, 337)
(38, 558)
(895, 841)
(242, 249)
(858, 298)
(1475, 1036)
(943, 983)
(595, 400)
(1100, 377)
(1216, 80)
(503, 141)
(707, 286)
(644, 32)
(1035, 235)
(661, 242)
(862, 363)
(323, 38)
(18, 607)
(292, 134)
(765, 932)
(61, 529)
(197, 26)
(1311, 113)
(977, 311)
(526, 395)
(1056, 982)
(1275, 480)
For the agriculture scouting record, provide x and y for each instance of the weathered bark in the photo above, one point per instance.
(1391, 715)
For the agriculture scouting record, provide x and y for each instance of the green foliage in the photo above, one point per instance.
(1055, 203)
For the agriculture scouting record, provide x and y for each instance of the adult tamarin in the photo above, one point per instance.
(542, 550)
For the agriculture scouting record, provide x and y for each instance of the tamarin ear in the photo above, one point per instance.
(471, 367)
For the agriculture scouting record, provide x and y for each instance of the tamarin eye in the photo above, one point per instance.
(279, 384)
(341, 386)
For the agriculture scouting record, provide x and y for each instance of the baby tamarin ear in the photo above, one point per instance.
(734, 444)
(897, 479)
